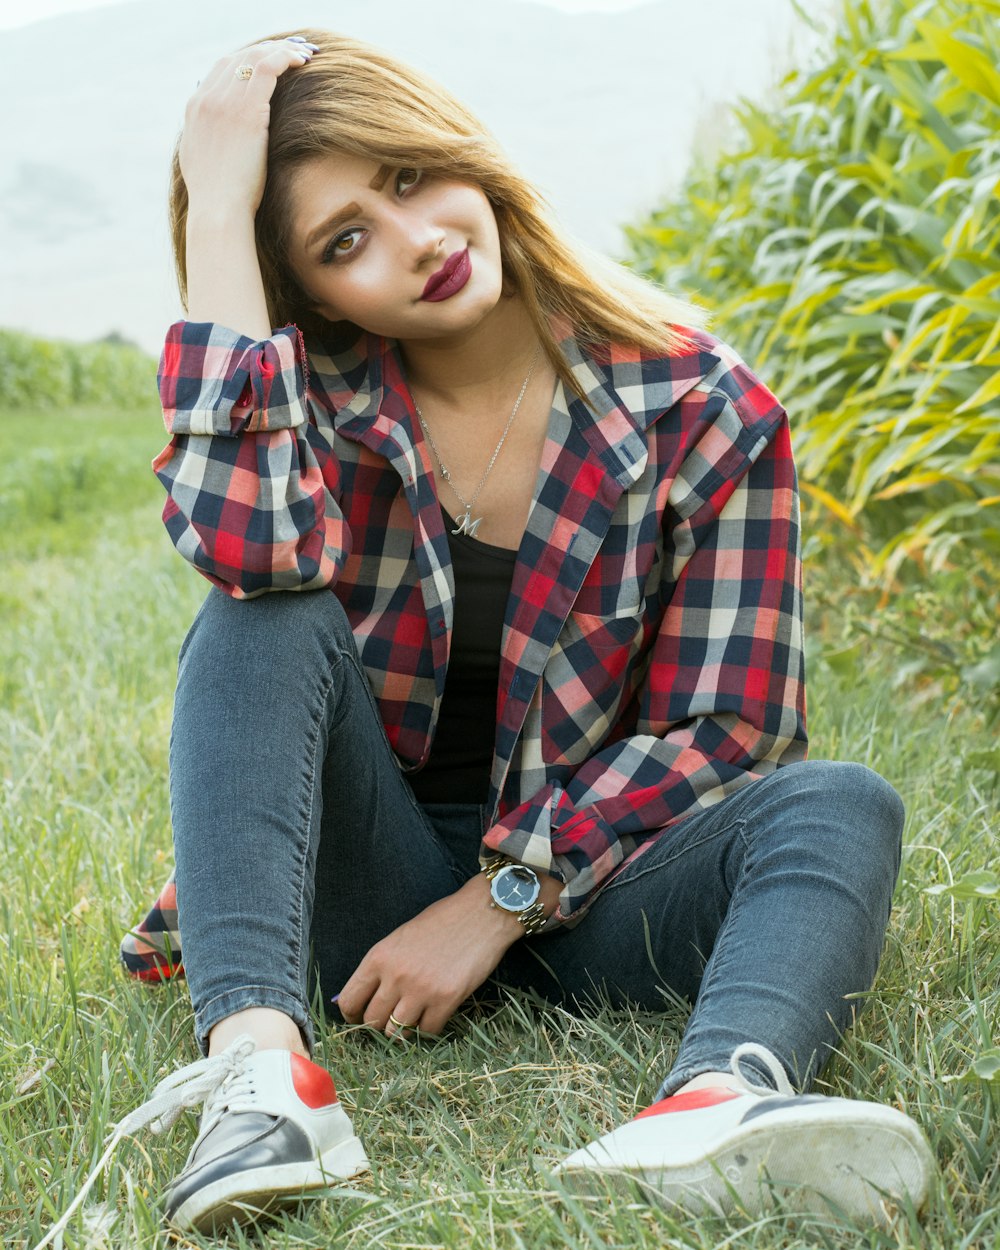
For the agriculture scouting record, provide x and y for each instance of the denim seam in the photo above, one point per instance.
(716, 972)
(303, 844)
(456, 872)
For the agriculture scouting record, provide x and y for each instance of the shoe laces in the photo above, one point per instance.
(218, 1082)
(782, 1085)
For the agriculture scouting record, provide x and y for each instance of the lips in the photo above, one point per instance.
(451, 277)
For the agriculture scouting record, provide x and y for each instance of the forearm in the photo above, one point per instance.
(223, 273)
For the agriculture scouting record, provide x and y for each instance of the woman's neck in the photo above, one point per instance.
(473, 370)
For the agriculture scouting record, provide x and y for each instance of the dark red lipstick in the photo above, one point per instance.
(451, 277)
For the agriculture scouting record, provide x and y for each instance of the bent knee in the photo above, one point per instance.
(280, 622)
(852, 803)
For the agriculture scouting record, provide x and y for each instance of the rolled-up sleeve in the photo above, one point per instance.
(252, 484)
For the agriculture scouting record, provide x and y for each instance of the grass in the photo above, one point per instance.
(462, 1130)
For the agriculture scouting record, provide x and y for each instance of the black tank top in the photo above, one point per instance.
(458, 770)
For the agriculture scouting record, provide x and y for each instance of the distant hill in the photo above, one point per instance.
(599, 110)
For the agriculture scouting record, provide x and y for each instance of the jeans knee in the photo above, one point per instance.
(873, 806)
(866, 823)
(267, 627)
(846, 805)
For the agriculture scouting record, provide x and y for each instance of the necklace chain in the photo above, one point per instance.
(467, 525)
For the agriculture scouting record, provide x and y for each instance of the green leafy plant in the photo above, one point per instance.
(849, 245)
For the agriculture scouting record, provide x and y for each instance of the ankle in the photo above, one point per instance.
(270, 1030)
(708, 1080)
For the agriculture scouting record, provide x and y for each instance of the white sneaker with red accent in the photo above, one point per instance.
(271, 1131)
(723, 1147)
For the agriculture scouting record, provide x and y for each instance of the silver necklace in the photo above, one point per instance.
(467, 525)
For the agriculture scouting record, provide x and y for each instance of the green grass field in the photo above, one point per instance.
(461, 1130)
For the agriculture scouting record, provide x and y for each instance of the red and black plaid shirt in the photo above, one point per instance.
(652, 646)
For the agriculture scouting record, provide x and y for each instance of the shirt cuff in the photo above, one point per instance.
(213, 380)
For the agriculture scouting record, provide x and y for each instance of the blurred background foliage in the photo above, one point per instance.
(848, 243)
(41, 374)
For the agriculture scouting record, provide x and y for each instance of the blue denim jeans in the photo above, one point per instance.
(299, 844)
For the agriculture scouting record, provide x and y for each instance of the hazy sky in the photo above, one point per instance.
(22, 12)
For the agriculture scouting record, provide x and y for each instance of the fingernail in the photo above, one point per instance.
(314, 46)
(297, 39)
(335, 998)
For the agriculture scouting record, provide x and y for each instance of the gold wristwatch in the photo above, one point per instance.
(515, 887)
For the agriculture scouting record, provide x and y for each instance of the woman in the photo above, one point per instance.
(540, 718)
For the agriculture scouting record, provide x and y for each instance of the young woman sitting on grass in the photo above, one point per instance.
(501, 679)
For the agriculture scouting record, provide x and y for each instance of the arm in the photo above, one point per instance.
(722, 700)
(222, 157)
(252, 483)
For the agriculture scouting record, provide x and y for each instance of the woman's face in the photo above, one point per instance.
(394, 251)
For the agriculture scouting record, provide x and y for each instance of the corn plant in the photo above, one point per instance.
(849, 245)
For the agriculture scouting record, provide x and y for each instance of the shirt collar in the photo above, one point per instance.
(626, 391)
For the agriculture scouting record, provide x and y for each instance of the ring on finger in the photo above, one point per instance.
(400, 1026)
(244, 72)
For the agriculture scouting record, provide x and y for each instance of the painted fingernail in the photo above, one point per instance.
(297, 39)
(335, 998)
(314, 46)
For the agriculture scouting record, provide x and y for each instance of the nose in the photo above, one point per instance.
(425, 242)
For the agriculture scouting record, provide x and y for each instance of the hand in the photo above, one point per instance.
(223, 148)
(422, 971)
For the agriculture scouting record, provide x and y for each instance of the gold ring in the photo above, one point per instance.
(399, 1024)
(244, 72)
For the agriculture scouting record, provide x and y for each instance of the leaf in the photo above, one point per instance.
(986, 1065)
(845, 661)
(984, 675)
(967, 63)
(32, 1078)
(988, 759)
(989, 390)
(980, 884)
(828, 501)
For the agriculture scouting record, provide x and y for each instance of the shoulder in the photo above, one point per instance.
(690, 381)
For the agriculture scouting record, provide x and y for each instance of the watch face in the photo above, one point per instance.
(515, 888)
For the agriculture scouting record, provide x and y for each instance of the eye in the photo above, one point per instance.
(341, 246)
(407, 178)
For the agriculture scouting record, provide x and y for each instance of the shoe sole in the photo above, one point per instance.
(245, 1197)
(854, 1167)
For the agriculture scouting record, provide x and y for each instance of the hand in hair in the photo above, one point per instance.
(223, 148)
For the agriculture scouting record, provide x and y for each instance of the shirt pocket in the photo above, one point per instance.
(603, 631)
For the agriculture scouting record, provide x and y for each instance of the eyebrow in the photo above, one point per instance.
(346, 213)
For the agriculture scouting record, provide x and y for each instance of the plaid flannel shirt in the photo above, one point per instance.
(652, 644)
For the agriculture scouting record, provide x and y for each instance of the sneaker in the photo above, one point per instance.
(723, 1147)
(271, 1130)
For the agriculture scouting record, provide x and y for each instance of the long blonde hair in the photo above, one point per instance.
(356, 99)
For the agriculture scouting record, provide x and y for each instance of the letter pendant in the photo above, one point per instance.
(467, 526)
